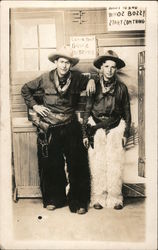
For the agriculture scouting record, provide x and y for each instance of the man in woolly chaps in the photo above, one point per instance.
(106, 126)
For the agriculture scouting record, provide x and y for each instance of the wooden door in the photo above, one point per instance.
(33, 36)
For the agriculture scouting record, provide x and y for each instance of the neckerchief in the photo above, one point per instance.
(62, 89)
(107, 89)
(62, 80)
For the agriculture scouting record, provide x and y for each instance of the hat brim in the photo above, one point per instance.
(73, 60)
(101, 59)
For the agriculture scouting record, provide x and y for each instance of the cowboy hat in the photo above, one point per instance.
(109, 55)
(65, 52)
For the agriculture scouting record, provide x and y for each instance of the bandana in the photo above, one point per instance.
(107, 87)
(63, 87)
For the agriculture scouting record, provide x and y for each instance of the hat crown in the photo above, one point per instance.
(111, 53)
(65, 50)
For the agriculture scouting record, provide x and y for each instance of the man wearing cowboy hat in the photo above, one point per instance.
(110, 117)
(61, 90)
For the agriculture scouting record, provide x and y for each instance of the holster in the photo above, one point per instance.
(42, 143)
(42, 140)
(90, 134)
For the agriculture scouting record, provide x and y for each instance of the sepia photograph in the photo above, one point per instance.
(78, 125)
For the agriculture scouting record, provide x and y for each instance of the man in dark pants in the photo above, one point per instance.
(61, 90)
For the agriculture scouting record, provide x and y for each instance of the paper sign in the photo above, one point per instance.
(84, 47)
(124, 18)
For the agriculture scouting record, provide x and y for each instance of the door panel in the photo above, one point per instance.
(141, 113)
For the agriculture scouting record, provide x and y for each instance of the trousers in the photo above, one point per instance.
(67, 163)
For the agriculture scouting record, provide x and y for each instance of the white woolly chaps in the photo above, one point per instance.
(106, 166)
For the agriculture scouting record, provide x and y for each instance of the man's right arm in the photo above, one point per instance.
(87, 113)
(29, 89)
(27, 92)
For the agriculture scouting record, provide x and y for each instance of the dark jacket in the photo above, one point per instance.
(109, 108)
(51, 97)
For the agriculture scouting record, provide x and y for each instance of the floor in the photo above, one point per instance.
(33, 222)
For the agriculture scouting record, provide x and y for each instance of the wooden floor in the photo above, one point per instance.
(33, 222)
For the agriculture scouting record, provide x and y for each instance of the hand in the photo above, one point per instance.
(124, 142)
(90, 87)
(86, 142)
(41, 110)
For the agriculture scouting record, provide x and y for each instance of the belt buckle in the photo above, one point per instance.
(104, 117)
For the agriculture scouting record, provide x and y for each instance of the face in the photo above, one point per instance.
(63, 66)
(108, 69)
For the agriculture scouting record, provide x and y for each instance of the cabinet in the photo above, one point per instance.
(25, 159)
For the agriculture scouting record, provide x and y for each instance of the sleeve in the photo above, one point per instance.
(83, 81)
(29, 89)
(87, 113)
(126, 112)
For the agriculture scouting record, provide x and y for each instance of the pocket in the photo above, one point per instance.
(50, 96)
(63, 101)
(50, 91)
(99, 98)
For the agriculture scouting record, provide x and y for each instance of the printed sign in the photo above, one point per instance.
(84, 47)
(126, 18)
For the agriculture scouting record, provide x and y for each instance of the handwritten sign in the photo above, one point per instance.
(126, 18)
(84, 47)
